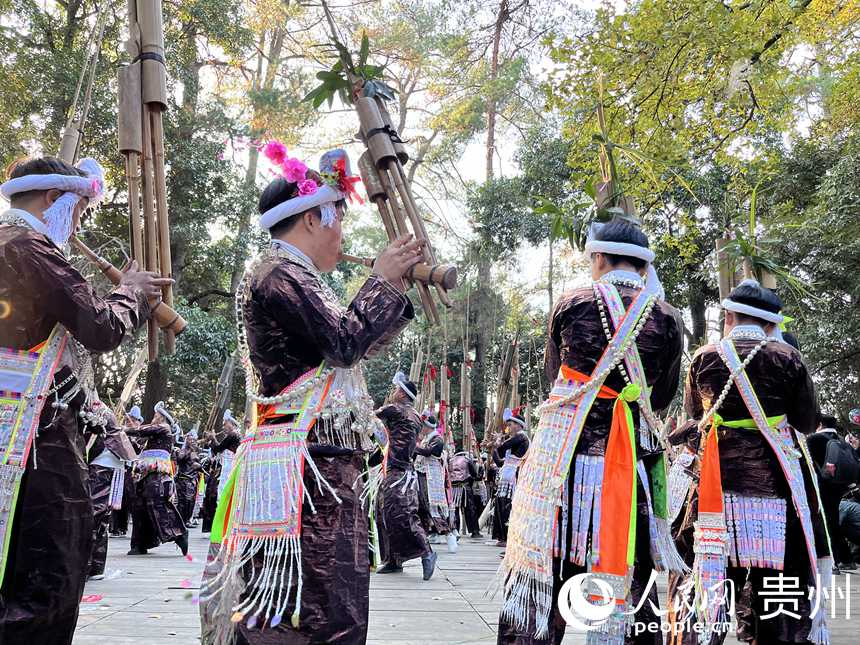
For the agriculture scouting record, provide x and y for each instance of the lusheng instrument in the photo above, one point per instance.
(164, 315)
(381, 170)
(142, 99)
(444, 275)
(381, 165)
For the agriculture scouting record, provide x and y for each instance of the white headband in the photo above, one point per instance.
(740, 308)
(620, 248)
(159, 407)
(324, 197)
(400, 381)
(508, 415)
(58, 217)
(652, 280)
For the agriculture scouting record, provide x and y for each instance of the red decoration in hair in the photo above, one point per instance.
(346, 183)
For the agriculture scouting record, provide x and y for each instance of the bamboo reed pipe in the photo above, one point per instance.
(162, 219)
(444, 275)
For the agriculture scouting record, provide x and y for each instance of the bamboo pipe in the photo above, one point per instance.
(417, 223)
(162, 219)
(132, 175)
(394, 227)
(165, 316)
(150, 229)
(397, 209)
(444, 275)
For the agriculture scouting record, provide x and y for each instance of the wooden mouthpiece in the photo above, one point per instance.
(442, 275)
(166, 317)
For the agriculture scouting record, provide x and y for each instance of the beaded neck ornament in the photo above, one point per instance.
(347, 415)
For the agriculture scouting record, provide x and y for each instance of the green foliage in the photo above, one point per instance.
(816, 209)
(346, 73)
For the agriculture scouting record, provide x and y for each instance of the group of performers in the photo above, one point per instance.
(322, 485)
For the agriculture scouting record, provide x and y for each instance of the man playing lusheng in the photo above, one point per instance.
(51, 319)
(403, 536)
(292, 528)
(610, 344)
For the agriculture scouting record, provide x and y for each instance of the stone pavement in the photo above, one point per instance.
(150, 600)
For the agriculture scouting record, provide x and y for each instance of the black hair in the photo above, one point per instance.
(753, 294)
(432, 420)
(791, 339)
(40, 166)
(827, 421)
(626, 232)
(280, 190)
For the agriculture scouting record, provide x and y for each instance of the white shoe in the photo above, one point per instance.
(452, 543)
(99, 576)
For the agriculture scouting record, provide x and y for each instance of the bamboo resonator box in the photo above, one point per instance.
(387, 185)
(142, 100)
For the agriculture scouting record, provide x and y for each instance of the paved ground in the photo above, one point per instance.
(150, 600)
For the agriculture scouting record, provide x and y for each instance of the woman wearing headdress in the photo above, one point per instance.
(433, 506)
(188, 469)
(508, 456)
(50, 321)
(155, 517)
(590, 496)
(289, 561)
(217, 466)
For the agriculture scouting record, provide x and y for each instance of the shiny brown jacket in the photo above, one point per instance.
(52, 537)
(292, 326)
(403, 425)
(576, 339)
(783, 386)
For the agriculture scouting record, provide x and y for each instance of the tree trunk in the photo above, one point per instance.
(266, 83)
(483, 293)
(63, 93)
(156, 387)
(549, 276)
(698, 308)
(501, 18)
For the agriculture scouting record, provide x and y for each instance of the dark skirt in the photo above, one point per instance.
(186, 493)
(51, 539)
(501, 517)
(100, 486)
(402, 534)
(119, 518)
(210, 503)
(155, 516)
(564, 569)
(749, 583)
(465, 509)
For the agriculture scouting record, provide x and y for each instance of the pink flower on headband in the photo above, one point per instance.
(294, 170)
(276, 152)
(307, 187)
(96, 186)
